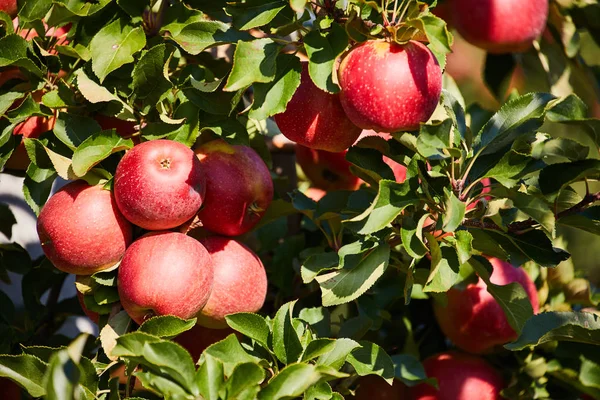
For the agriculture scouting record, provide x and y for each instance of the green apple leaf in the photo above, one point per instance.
(160, 384)
(440, 38)
(150, 79)
(370, 359)
(253, 61)
(231, 353)
(444, 267)
(291, 382)
(286, 343)
(37, 186)
(26, 370)
(34, 10)
(317, 348)
(16, 51)
(73, 129)
(337, 356)
(96, 148)
(323, 49)
(251, 325)
(409, 370)
(454, 212)
(587, 220)
(199, 35)
(210, 376)
(254, 13)
(555, 177)
(166, 326)
(244, 382)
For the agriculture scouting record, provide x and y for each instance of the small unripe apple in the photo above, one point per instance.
(326, 170)
(10, 7)
(500, 26)
(197, 339)
(81, 229)
(473, 320)
(389, 87)
(239, 188)
(372, 387)
(159, 184)
(240, 281)
(165, 273)
(460, 377)
(316, 119)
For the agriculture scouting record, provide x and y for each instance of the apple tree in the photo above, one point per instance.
(427, 244)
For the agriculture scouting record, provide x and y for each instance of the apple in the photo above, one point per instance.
(473, 320)
(197, 339)
(388, 87)
(326, 170)
(500, 26)
(398, 169)
(32, 127)
(81, 229)
(373, 387)
(314, 193)
(165, 273)
(10, 7)
(460, 377)
(92, 315)
(316, 119)
(239, 188)
(240, 281)
(9, 389)
(159, 184)
(123, 128)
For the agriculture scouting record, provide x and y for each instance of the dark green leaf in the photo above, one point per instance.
(150, 82)
(555, 177)
(286, 343)
(323, 48)
(167, 326)
(370, 359)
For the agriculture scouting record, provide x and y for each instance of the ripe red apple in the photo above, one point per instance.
(159, 184)
(316, 119)
(239, 188)
(123, 128)
(372, 387)
(165, 273)
(326, 170)
(10, 7)
(314, 193)
(500, 26)
(398, 169)
(32, 127)
(92, 315)
(460, 377)
(240, 281)
(473, 320)
(390, 87)
(9, 389)
(197, 339)
(81, 229)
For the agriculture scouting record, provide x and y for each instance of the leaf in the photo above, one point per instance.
(318, 318)
(199, 35)
(291, 382)
(210, 376)
(588, 220)
(150, 79)
(161, 384)
(350, 282)
(114, 46)
(555, 177)
(26, 370)
(72, 129)
(255, 13)
(444, 267)
(440, 39)
(252, 62)
(409, 370)
(96, 148)
(323, 48)
(370, 359)
(7, 220)
(516, 117)
(34, 10)
(337, 356)
(166, 326)
(37, 186)
(508, 170)
(272, 97)
(412, 236)
(251, 325)
(317, 263)
(536, 207)
(244, 381)
(581, 327)
(317, 348)
(392, 198)
(454, 212)
(230, 352)
(434, 140)
(14, 50)
(117, 325)
(286, 343)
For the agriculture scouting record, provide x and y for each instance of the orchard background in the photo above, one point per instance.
(437, 239)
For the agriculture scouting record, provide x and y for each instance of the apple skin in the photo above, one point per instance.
(81, 229)
(159, 184)
(315, 194)
(460, 377)
(32, 127)
(10, 7)
(239, 188)
(473, 320)
(398, 169)
(388, 87)
(372, 387)
(316, 119)
(197, 339)
(9, 389)
(326, 170)
(240, 281)
(123, 128)
(93, 316)
(165, 273)
(500, 26)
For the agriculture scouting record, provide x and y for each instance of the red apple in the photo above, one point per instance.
(500, 26)
(327, 171)
(92, 315)
(372, 387)
(197, 339)
(81, 229)
(10, 7)
(9, 390)
(316, 119)
(443, 11)
(32, 127)
(473, 320)
(239, 188)
(165, 273)
(314, 193)
(240, 281)
(398, 169)
(390, 87)
(460, 377)
(159, 184)
(123, 128)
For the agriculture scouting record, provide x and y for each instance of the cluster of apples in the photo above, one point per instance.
(159, 186)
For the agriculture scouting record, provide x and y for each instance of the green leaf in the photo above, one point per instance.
(166, 326)
(14, 50)
(199, 35)
(150, 79)
(291, 382)
(37, 186)
(26, 370)
(251, 325)
(161, 384)
(34, 10)
(114, 46)
(69, 374)
(392, 198)
(440, 39)
(318, 318)
(317, 348)
(349, 283)
(589, 374)
(555, 177)
(253, 62)
(210, 377)
(409, 370)
(272, 97)
(254, 13)
(370, 359)
(516, 117)
(587, 220)
(244, 381)
(72, 129)
(581, 327)
(298, 5)
(454, 212)
(117, 325)
(434, 140)
(286, 343)
(534, 206)
(96, 148)
(412, 236)
(508, 170)
(230, 352)
(323, 48)
(317, 263)
(560, 150)
(337, 356)
(444, 267)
